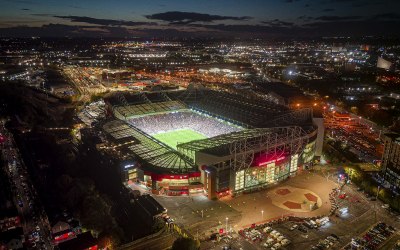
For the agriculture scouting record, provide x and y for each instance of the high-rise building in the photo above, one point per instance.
(391, 160)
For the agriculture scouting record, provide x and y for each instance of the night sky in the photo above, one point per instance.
(203, 18)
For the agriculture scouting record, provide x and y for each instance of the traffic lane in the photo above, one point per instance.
(24, 193)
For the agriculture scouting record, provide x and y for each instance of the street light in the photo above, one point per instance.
(226, 225)
(262, 214)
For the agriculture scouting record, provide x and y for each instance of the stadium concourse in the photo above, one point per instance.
(209, 142)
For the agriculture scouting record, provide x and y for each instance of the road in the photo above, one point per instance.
(33, 218)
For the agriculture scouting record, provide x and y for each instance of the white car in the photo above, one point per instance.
(270, 241)
(285, 242)
(280, 238)
(267, 229)
(266, 245)
(277, 246)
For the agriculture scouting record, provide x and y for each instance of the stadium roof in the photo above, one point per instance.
(153, 153)
(281, 89)
(221, 145)
(128, 111)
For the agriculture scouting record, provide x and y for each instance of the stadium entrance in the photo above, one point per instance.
(265, 173)
(260, 176)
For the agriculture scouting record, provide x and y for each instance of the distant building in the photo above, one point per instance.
(383, 64)
(59, 227)
(391, 160)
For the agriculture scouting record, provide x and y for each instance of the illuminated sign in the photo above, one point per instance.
(271, 161)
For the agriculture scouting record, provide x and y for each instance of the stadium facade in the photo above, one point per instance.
(245, 143)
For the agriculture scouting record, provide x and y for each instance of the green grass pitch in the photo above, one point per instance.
(172, 138)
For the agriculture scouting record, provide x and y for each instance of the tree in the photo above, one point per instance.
(158, 225)
(185, 243)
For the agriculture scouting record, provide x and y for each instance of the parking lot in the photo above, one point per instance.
(359, 137)
(375, 237)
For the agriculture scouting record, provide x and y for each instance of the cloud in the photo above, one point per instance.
(337, 18)
(75, 6)
(41, 14)
(60, 30)
(339, 1)
(353, 28)
(25, 9)
(386, 16)
(277, 23)
(106, 22)
(20, 1)
(359, 3)
(328, 10)
(178, 17)
(325, 25)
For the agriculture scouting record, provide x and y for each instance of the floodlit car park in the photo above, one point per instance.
(373, 238)
(264, 235)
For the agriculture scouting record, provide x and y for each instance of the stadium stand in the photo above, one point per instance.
(206, 125)
(128, 111)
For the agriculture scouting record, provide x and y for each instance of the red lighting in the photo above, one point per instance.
(160, 177)
(271, 161)
(64, 236)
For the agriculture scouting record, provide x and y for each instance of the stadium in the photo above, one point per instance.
(213, 142)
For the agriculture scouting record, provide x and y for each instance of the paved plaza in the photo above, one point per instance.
(294, 196)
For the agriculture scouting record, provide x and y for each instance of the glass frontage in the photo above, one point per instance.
(256, 176)
(293, 163)
(282, 171)
(239, 180)
(270, 178)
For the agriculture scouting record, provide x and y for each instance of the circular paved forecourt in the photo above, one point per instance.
(295, 199)
(291, 197)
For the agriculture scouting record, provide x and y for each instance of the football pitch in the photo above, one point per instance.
(172, 138)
